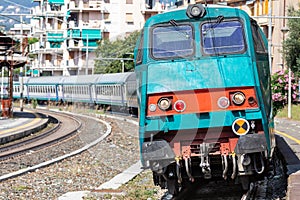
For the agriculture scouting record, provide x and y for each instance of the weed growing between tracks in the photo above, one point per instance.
(141, 187)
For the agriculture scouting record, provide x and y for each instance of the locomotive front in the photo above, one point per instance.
(204, 96)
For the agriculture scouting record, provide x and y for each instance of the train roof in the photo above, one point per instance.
(100, 78)
(116, 78)
(212, 11)
(80, 79)
(43, 80)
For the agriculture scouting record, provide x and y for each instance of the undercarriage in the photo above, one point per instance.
(177, 164)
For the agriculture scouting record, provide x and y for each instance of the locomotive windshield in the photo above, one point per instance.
(172, 41)
(226, 37)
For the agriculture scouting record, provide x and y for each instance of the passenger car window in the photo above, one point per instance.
(172, 41)
(226, 37)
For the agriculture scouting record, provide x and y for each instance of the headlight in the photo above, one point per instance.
(252, 101)
(223, 102)
(238, 98)
(179, 106)
(152, 107)
(195, 11)
(164, 103)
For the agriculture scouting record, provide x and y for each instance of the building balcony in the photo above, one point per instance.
(73, 6)
(46, 48)
(90, 24)
(95, 4)
(36, 11)
(89, 6)
(45, 65)
(57, 29)
(74, 44)
(73, 24)
(56, 2)
(55, 10)
(84, 38)
(86, 33)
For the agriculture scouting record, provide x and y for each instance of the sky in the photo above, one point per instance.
(13, 7)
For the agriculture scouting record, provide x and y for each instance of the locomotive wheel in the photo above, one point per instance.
(173, 189)
(245, 182)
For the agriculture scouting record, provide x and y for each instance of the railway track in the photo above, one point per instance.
(272, 186)
(65, 126)
(221, 190)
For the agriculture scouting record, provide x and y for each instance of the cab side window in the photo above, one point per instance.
(259, 45)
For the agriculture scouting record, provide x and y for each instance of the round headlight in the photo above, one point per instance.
(164, 103)
(252, 101)
(195, 11)
(179, 106)
(152, 107)
(223, 102)
(238, 98)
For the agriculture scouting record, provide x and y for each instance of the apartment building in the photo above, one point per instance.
(68, 32)
(260, 11)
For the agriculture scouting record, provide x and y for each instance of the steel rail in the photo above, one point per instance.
(21, 147)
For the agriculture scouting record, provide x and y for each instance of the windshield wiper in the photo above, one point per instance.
(219, 19)
(181, 32)
(173, 22)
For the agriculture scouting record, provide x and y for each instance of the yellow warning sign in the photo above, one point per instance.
(240, 126)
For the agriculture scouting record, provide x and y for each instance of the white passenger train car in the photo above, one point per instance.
(117, 89)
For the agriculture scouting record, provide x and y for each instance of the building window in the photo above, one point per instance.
(129, 18)
(129, 1)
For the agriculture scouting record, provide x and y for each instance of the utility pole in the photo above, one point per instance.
(21, 89)
(21, 69)
(284, 30)
(2, 83)
(87, 55)
(270, 35)
(11, 64)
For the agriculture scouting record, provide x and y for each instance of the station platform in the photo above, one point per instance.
(288, 142)
(21, 124)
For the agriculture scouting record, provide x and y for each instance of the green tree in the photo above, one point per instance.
(110, 52)
(291, 45)
(32, 40)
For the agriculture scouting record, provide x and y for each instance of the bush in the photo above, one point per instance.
(34, 103)
(279, 86)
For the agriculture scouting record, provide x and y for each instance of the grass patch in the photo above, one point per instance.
(22, 188)
(141, 188)
(295, 112)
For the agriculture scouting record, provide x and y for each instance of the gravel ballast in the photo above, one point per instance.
(85, 171)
